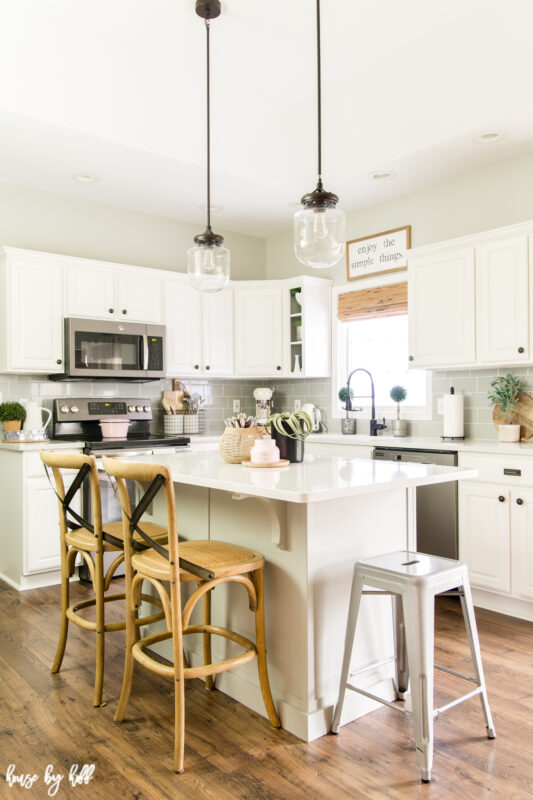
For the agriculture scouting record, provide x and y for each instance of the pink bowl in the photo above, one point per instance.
(114, 428)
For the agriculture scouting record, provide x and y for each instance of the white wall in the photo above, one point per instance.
(37, 220)
(488, 198)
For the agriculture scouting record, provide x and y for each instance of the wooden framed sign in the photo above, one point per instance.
(378, 254)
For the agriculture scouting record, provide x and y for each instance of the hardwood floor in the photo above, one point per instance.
(231, 752)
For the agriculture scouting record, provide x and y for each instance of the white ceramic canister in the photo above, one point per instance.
(264, 451)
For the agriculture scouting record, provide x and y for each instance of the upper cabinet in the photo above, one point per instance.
(108, 292)
(259, 329)
(502, 306)
(441, 305)
(470, 300)
(31, 313)
(199, 330)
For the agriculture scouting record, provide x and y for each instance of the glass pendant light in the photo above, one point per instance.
(208, 260)
(319, 227)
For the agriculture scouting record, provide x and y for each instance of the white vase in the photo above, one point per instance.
(297, 367)
(509, 433)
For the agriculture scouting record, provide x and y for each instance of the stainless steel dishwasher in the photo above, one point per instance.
(436, 506)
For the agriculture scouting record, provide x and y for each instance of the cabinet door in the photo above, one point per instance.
(41, 526)
(217, 333)
(502, 303)
(35, 316)
(259, 332)
(138, 297)
(484, 535)
(442, 309)
(522, 543)
(183, 319)
(90, 292)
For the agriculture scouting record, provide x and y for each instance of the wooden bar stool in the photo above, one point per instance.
(413, 580)
(209, 564)
(90, 541)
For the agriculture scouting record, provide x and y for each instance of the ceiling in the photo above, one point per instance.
(116, 88)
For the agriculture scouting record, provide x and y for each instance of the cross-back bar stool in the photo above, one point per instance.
(413, 580)
(88, 539)
(209, 564)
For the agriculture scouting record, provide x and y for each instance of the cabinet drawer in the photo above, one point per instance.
(503, 469)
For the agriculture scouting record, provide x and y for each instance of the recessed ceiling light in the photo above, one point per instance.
(489, 137)
(383, 174)
(212, 208)
(85, 177)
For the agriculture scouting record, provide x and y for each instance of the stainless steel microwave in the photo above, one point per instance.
(113, 350)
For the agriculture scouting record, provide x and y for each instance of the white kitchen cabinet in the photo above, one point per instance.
(442, 309)
(132, 294)
(307, 326)
(217, 333)
(522, 543)
(259, 326)
(502, 302)
(485, 534)
(31, 313)
(182, 315)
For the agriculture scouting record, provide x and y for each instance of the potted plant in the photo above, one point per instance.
(504, 395)
(348, 424)
(290, 430)
(12, 415)
(398, 395)
(296, 292)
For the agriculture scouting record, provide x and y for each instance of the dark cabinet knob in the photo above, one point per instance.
(111, 310)
(501, 498)
(197, 366)
(59, 361)
(519, 501)
(278, 367)
(411, 358)
(207, 366)
(520, 349)
(124, 311)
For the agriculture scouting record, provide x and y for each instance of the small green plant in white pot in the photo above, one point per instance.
(398, 395)
(504, 395)
(348, 424)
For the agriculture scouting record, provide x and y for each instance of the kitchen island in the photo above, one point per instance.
(312, 521)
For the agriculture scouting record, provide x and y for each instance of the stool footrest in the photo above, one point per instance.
(457, 674)
(456, 702)
(376, 698)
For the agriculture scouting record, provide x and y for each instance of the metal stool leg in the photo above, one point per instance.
(353, 612)
(402, 667)
(475, 652)
(419, 628)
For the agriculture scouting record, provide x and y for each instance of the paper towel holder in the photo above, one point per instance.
(452, 438)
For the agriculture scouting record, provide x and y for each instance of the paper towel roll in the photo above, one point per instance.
(453, 414)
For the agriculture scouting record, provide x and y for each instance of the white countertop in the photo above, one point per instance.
(319, 477)
(51, 444)
(423, 443)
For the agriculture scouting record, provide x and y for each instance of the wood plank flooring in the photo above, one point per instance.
(231, 752)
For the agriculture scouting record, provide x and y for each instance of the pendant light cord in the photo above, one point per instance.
(207, 25)
(319, 94)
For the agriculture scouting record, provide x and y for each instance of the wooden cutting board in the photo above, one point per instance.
(522, 415)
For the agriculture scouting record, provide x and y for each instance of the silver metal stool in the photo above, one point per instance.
(413, 580)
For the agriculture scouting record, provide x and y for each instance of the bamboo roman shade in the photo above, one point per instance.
(383, 301)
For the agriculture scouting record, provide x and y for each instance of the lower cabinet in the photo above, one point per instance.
(496, 537)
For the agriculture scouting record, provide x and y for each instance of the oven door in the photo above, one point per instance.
(113, 349)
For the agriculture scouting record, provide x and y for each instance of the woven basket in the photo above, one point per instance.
(236, 443)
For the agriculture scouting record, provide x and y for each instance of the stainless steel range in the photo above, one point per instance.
(78, 419)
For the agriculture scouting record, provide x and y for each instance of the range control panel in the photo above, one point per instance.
(78, 409)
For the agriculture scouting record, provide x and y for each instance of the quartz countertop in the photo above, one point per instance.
(51, 444)
(319, 477)
(423, 443)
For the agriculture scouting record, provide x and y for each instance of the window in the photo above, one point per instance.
(372, 333)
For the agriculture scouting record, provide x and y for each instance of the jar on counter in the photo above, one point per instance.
(264, 451)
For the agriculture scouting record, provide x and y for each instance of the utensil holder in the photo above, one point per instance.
(172, 424)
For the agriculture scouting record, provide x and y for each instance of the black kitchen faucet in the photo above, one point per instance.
(375, 426)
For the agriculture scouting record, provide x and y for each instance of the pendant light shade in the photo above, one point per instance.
(319, 226)
(208, 261)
